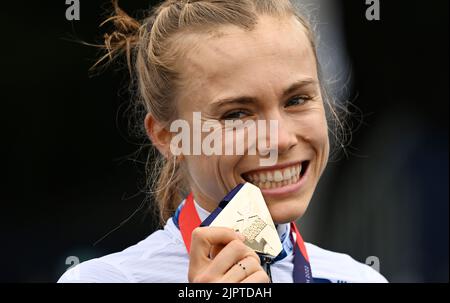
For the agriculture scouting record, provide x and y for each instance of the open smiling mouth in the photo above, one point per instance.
(270, 178)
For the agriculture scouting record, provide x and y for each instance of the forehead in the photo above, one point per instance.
(272, 56)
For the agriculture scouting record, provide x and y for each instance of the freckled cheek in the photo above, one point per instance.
(321, 146)
(201, 169)
(213, 175)
(314, 132)
(312, 126)
(320, 135)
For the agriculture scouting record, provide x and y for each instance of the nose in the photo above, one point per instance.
(280, 135)
(286, 136)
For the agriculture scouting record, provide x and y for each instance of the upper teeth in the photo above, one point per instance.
(276, 175)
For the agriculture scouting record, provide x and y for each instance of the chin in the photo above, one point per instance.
(287, 212)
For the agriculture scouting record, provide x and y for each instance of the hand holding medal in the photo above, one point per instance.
(239, 228)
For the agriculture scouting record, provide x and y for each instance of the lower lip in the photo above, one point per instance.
(288, 189)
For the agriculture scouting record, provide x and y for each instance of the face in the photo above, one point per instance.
(274, 67)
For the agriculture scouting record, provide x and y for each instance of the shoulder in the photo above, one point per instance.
(339, 267)
(147, 261)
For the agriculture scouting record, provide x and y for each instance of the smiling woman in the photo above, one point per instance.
(228, 60)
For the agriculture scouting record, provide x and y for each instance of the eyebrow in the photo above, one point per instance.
(249, 99)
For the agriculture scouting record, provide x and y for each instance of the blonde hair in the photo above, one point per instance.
(151, 51)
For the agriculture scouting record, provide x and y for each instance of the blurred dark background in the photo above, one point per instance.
(67, 180)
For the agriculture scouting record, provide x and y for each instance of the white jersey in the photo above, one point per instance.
(162, 258)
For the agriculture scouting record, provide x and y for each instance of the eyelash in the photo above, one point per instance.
(238, 111)
(227, 115)
(304, 97)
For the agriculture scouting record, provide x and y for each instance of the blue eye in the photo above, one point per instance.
(233, 115)
(298, 100)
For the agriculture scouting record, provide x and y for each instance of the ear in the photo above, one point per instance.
(158, 134)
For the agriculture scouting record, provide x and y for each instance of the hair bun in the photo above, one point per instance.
(124, 37)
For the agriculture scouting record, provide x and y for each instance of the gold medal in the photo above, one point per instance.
(247, 213)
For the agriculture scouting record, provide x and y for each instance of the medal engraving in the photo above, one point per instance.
(248, 214)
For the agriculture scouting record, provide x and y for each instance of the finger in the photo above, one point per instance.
(259, 276)
(215, 250)
(241, 270)
(203, 238)
(233, 252)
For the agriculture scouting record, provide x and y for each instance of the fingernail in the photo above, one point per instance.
(241, 236)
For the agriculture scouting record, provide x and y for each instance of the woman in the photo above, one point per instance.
(227, 60)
